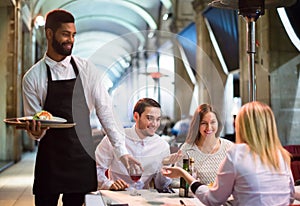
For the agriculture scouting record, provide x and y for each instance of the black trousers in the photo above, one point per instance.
(72, 199)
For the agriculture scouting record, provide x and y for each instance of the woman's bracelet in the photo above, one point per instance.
(195, 185)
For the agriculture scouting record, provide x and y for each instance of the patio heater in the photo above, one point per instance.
(251, 10)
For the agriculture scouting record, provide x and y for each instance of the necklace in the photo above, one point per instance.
(207, 154)
(210, 151)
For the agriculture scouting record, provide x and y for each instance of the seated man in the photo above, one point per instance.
(142, 143)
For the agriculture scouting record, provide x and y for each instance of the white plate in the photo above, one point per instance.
(53, 120)
(22, 124)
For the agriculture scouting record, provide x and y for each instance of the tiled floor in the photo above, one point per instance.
(16, 183)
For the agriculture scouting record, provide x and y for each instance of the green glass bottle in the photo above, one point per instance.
(184, 186)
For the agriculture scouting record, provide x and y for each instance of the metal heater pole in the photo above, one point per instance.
(251, 10)
(251, 58)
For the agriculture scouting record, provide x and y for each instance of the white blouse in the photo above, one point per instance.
(206, 165)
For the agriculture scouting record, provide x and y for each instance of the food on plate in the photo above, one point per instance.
(43, 115)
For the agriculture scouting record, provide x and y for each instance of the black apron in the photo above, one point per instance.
(65, 160)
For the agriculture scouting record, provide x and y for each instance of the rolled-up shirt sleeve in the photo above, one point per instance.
(105, 113)
(110, 122)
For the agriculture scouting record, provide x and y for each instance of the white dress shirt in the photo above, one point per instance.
(150, 151)
(249, 181)
(35, 84)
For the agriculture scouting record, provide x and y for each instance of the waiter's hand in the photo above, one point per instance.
(130, 161)
(35, 130)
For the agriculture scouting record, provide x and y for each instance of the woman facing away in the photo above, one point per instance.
(256, 170)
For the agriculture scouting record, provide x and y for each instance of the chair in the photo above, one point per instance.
(295, 161)
(295, 167)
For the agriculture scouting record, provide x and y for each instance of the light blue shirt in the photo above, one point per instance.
(249, 181)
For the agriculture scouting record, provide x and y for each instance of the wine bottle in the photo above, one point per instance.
(184, 186)
(192, 173)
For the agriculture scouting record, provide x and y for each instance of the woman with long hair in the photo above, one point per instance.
(204, 143)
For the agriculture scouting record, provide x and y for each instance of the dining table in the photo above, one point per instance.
(297, 202)
(146, 197)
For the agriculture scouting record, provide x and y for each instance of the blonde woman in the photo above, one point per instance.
(256, 170)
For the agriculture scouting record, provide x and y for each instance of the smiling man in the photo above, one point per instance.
(143, 144)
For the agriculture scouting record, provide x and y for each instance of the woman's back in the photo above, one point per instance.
(255, 183)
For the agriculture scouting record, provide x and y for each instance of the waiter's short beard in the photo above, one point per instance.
(58, 47)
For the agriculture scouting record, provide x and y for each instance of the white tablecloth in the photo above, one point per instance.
(147, 197)
(297, 189)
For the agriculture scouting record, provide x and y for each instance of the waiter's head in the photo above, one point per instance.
(60, 32)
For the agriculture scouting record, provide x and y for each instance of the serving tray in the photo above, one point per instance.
(22, 124)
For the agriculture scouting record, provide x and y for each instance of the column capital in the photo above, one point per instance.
(199, 5)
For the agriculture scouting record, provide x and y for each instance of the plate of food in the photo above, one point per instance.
(52, 120)
(46, 118)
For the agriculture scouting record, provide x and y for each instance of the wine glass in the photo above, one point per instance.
(135, 174)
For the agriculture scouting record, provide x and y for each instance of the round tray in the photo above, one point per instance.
(22, 124)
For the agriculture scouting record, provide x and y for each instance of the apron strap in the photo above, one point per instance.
(73, 65)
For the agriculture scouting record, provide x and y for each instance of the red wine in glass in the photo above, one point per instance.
(135, 178)
(135, 174)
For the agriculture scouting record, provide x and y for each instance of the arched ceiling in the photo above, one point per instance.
(99, 22)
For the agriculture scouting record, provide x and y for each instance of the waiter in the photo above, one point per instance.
(67, 87)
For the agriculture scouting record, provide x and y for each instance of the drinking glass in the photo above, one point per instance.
(135, 174)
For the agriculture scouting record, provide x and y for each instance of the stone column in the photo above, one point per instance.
(3, 72)
(210, 75)
(10, 36)
(183, 89)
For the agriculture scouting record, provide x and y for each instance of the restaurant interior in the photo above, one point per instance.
(181, 53)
